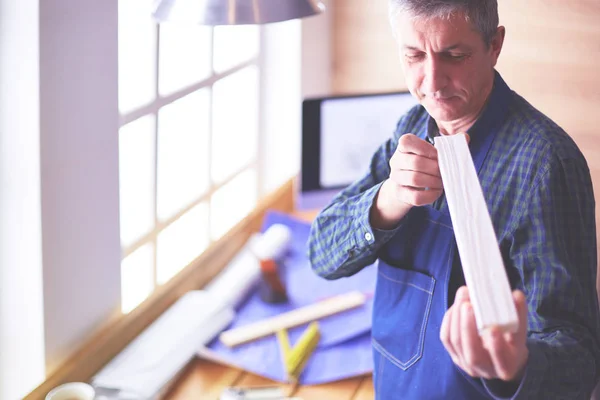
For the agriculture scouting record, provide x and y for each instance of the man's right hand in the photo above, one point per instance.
(414, 172)
(414, 180)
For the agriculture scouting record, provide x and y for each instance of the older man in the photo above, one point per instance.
(539, 194)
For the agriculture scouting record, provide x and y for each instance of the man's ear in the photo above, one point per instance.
(496, 44)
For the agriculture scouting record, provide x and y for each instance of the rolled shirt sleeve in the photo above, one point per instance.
(342, 240)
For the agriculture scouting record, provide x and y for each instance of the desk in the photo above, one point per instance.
(205, 380)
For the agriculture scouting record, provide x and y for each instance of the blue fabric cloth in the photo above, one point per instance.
(344, 348)
(539, 193)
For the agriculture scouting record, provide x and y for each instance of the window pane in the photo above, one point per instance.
(232, 202)
(136, 179)
(137, 280)
(184, 56)
(182, 152)
(234, 45)
(181, 242)
(137, 54)
(235, 123)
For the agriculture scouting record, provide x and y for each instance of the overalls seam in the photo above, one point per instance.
(386, 354)
(419, 353)
(447, 278)
(381, 364)
(405, 283)
(427, 312)
(439, 223)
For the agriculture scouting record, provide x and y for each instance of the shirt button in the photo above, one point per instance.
(368, 236)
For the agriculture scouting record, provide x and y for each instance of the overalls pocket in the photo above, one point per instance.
(400, 314)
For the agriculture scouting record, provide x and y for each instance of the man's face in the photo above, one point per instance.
(447, 65)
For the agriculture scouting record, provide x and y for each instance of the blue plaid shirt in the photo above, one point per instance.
(539, 193)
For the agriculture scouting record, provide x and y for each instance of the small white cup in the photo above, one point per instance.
(72, 391)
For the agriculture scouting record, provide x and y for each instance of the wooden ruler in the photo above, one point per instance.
(300, 316)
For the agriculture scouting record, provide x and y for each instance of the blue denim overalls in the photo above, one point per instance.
(414, 271)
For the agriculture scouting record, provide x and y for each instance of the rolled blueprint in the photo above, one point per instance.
(273, 244)
(154, 358)
(242, 274)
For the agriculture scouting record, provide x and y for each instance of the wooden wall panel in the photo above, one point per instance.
(364, 54)
(551, 57)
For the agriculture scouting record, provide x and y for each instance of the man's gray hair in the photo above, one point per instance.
(483, 14)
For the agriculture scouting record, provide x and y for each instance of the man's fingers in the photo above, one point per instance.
(503, 354)
(521, 305)
(412, 144)
(500, 353)
(416, 180)
(462, 295)
(445, 335)
(418, 196)
(475, 355)
(413, 162)
(415, 171)
(455, 332)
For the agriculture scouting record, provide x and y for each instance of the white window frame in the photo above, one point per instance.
(153, 108)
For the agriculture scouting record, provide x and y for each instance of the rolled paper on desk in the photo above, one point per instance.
(270, 249)
(152, 361)
(233, 285)
(273, 244)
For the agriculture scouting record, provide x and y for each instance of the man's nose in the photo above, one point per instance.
(435, 78)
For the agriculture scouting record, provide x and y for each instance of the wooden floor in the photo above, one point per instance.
(206, 380)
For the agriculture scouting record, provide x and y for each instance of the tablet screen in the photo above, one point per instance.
(340, 134)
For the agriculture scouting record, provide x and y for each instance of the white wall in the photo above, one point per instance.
(296, 64)
(59, 163)
(281, 99)
(21, 313)
(79, 159)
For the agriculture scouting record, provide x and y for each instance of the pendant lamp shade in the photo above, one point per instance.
(235, 12)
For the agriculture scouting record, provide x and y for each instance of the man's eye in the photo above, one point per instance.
(414, 56)
(456, 57)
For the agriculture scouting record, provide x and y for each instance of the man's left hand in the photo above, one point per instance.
(494, 355)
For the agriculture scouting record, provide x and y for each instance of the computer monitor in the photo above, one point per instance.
(339, 136)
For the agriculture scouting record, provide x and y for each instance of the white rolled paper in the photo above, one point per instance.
(236, 281)
(272, 244)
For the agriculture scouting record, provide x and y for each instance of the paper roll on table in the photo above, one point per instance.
(234, 284)
(270, 248)
(273, 243)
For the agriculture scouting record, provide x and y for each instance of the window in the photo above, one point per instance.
(188, 141)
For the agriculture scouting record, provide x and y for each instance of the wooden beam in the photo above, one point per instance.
(482, 263)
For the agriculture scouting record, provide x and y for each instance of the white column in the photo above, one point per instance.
(281, 103)
(21, 313)
(79, 155)
(295, 63)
